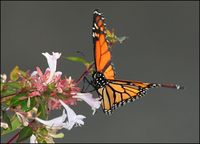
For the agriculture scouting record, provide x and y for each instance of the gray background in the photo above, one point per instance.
(163, 46)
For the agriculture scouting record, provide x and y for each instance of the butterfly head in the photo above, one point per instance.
(99, 80)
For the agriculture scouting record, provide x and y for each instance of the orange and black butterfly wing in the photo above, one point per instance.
(118, 92)
(102, 54)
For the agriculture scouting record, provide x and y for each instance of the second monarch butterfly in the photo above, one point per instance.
(113, 92)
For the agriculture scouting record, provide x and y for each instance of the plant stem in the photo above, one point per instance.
(17, 134)
(7, 97)
(14, 137)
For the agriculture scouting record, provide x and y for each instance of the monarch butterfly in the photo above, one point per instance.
(113, 92)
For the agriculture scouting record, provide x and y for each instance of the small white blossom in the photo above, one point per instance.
(52, 62)
(3, 78)
(33, 139)
(72, 117)
(4, 125)
(56, 123)
(87, 97)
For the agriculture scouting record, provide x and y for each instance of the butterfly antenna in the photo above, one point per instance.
(174, 86)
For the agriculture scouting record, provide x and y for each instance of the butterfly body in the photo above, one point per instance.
(99, 80)
(113, 92)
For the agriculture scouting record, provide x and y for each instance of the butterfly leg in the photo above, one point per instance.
(84, 82)
(90, 83)
(83, 85)
(85, 79)
(100, 97)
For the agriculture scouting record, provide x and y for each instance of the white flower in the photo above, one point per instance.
(59, 122)
(3, 78)
(33, 139)
(72, 117)
(56, 123)
(52, 62)
(22, 119)
(4, 125)
(87, 97)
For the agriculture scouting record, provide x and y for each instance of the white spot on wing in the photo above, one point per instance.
(96, 26)
(96, 12)
(93, 36)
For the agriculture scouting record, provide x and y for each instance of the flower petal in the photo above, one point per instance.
(56, 123)
(34, 93)
(4, 125)
(39, 71)
(87, 97)
(80, 122)
(33, 139)
(68, 125)
(52, 62)
(72, 117)
(3, 78)
(70, 113)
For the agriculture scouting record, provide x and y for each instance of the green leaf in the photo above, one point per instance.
(42, 111)
(14, 84)
(43, 132)
(77, 59)
(8, 91)
(23, 73)
(41, 140)
(10, 88)
(15, 125)
(51, 86)
(2, 86)
(24, 134)
(16, 99)
(14, 74)
(25, 106)
(6, 119)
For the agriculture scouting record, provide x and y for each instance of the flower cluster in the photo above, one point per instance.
(33, 95)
